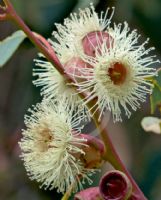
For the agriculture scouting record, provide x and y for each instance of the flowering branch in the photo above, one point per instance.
(44, 47)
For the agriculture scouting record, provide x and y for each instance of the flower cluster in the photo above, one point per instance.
(106, 62)
(109, 68)
(68, 47)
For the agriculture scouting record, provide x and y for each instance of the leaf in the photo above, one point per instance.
(9, 45)
(151, 124)
(155, 98)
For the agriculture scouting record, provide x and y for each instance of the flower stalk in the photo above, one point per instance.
(44, 47)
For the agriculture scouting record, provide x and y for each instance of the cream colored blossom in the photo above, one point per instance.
(50, 146)
(118, 79)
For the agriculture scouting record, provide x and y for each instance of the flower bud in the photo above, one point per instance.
(89, 194)
(93, 40)
(93, 152)
(115, 185)
(74, 65)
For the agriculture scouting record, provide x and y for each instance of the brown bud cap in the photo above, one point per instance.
(93, 152)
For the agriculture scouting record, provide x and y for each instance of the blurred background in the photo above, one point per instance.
(140, 151)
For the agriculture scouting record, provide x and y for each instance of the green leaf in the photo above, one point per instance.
(155, 98)
(9, 45)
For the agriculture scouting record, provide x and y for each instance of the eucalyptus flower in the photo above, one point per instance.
(51, 147)
(118, 78)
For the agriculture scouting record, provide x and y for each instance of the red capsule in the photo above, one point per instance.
(92, 42)
(115, 185)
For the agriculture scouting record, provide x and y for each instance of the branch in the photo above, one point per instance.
(44, 47)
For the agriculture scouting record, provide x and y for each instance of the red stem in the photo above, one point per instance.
(44, 42)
